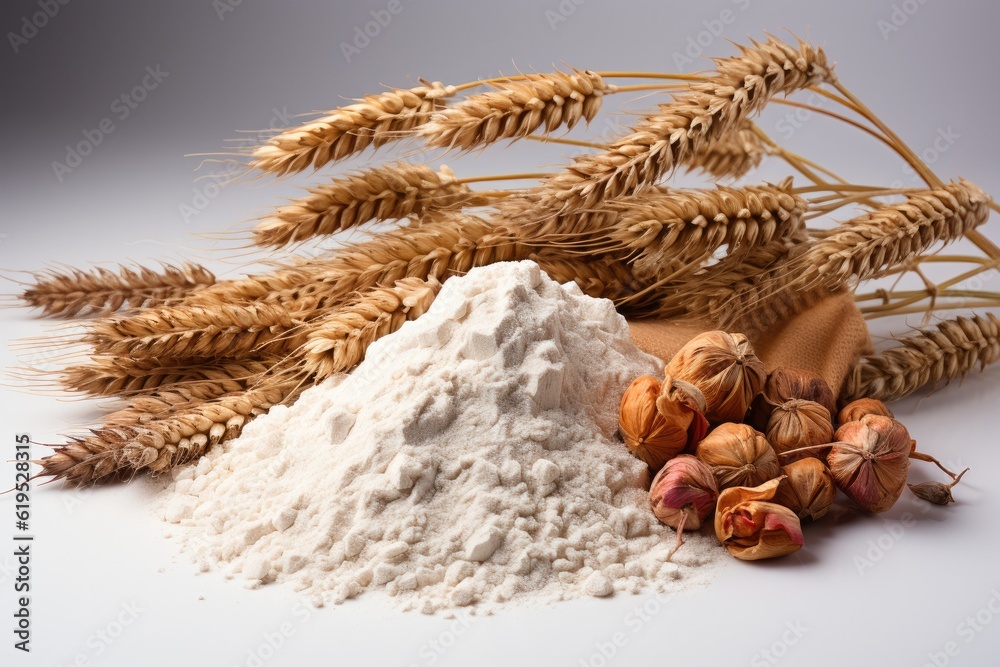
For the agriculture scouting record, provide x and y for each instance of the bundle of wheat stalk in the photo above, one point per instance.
(194, 359)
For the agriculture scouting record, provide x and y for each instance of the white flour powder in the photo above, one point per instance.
(472, 459)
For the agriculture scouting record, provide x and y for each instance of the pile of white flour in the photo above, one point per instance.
(472, 459)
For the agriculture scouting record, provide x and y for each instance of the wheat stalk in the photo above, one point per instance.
(373, 121)
(389, 192)
(706, 112)
(927, 357)
(194, 332)
(871, 244)
(516, 109)
(338, 341)
(102, 291)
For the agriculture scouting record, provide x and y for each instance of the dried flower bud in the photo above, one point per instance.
(656, 436)
(870, 461)
(738, 456)
(684, 486)
(726, 370)
(937, 492)
(784, 384)
(807, 489)
(797, 423)
(751, 528)
(855, 410)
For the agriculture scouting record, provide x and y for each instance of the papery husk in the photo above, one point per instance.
(855, 410)
(784, 384)
(684, 486)
(726, 370)
(658, 420)
(799, 423)
(870, 461)
(807, 489)
(738, 455)
(751, 528)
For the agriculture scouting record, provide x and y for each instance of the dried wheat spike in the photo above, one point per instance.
(599, 277)
(666, 230)
(102, 291)
(706, 112)
(732, 156)
(927, 358)
(194, 332)
(869, 245)
(174, 437)
(451, 244)
(88, 460)
(338, 342)
(374, 120)
(389, 192)
(518, 108)
(115, 375)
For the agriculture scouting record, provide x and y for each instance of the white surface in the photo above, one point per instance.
(98, 551)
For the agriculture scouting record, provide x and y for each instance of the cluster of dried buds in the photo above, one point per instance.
(762, 452)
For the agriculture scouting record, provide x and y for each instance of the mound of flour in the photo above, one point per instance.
(472, 459)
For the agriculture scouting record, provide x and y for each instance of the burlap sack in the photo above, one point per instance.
(827, 339)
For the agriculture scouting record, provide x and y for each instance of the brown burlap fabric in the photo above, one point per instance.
(827, 339)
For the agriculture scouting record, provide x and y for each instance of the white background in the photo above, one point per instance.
(893, 589)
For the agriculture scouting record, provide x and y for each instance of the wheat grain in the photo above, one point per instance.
(389, 192)
(869, 245)
(338, 341)
(706, 112)
(102, 291)
(928, 357)
(517, 108)
(373, 121)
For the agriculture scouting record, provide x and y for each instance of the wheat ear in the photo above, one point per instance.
(517, 108)
(666, 230)
(373, 121)
(194, 332)
(706, 112)
(102, 291)
(117, 376)
(175, 432)
(927, 357)
(733, 155)
(869, 245)
(389, 192)
(338, 342)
